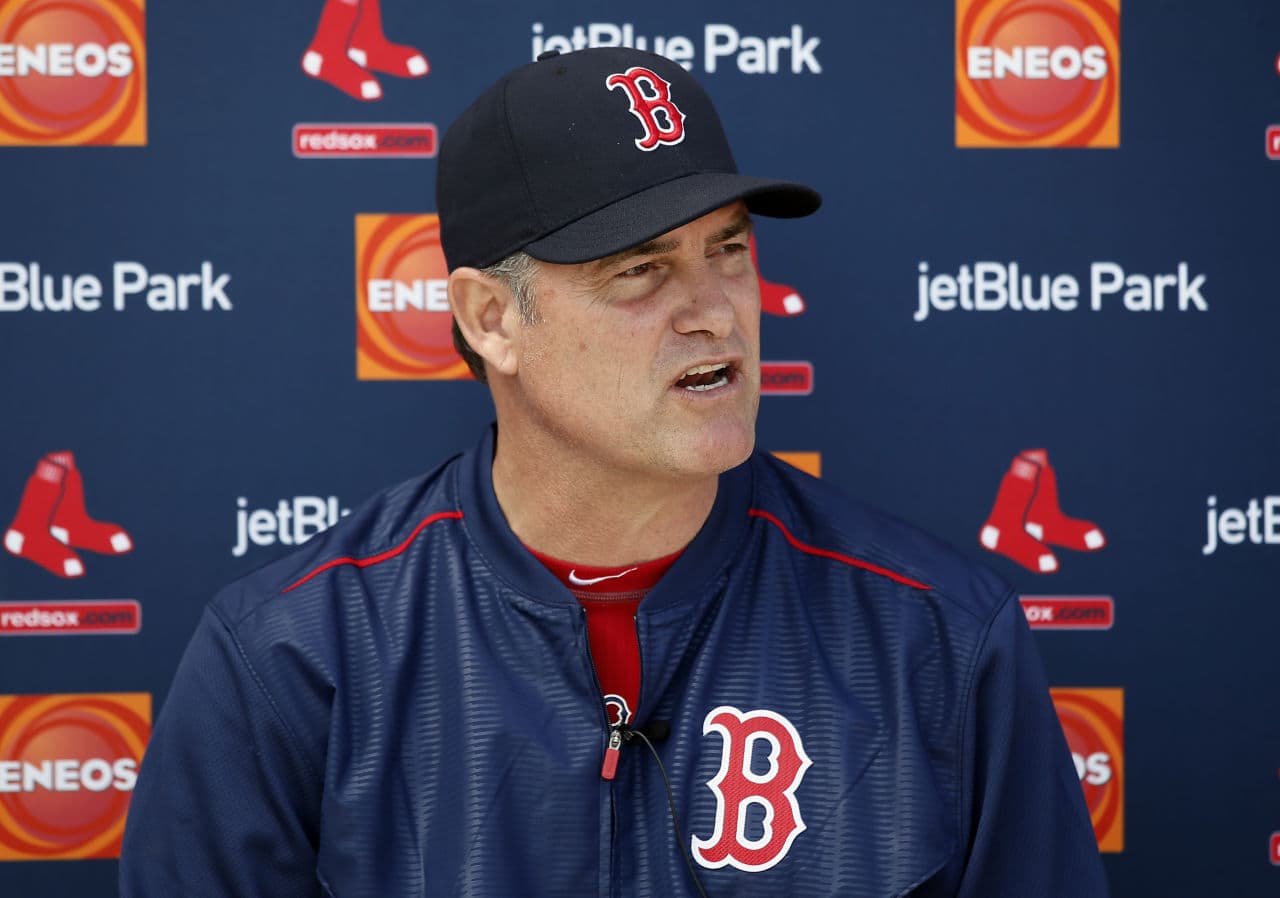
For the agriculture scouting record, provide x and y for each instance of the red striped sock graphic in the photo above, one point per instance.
(327, 59)
(28, 535)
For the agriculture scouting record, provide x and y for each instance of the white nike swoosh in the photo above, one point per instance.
(578, 581)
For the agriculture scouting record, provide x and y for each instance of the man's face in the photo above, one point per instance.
(606, 370)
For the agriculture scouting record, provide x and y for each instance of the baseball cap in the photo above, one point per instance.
(581, 155)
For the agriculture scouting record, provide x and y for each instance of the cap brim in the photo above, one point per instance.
(664, 207)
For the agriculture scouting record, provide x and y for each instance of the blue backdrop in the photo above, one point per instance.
(189, 430)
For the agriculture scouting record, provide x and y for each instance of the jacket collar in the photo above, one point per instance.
(705, 558)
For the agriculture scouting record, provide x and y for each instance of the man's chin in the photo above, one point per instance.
(720, 449)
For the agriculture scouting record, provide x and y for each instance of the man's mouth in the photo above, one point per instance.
(706, 377)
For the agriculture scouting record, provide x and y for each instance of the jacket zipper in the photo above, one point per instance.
(613, 748)
(609, 769)
(615, 733)
(613, 751)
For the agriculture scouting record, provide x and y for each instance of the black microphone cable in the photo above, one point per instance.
(661, 729)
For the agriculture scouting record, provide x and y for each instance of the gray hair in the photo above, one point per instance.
(516, 272)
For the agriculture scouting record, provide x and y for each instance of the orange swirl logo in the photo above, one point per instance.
(403, 322)
(1093, 721)
(72, 72)
(68, 764)
(1037, 73)
(809, 462)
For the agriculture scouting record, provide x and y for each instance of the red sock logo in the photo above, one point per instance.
(1026, 518)
(349, 41)
(52, 517)
(775, 299)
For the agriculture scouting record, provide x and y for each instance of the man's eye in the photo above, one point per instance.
(636, 270)
(730, 249)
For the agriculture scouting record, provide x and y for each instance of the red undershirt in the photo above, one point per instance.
(610, 596)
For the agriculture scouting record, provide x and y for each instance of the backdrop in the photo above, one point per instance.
(1036, 315)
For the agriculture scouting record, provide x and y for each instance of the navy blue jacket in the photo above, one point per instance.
(407, 706)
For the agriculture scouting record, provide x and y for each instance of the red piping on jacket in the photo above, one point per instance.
(381, 556)
(827, 553)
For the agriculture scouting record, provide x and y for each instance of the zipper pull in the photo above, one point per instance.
(611, 754)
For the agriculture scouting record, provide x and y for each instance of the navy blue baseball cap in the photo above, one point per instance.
(581, 155)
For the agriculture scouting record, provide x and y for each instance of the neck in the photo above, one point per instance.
(588, 514)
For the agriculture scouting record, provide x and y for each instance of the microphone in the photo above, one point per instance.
(657, 730)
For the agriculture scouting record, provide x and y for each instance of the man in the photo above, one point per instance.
(612, 650)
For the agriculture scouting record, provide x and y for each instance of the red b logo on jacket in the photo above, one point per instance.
(737, 787)
(651, 103)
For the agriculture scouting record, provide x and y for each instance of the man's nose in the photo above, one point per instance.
(707, 304)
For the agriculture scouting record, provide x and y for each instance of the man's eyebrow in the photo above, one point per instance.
(648, 248)
(741, 225)
(658, 245)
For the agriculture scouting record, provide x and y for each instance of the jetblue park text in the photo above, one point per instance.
(1257, 522)
(1000, 286)
(25, 287)
(290, 523)
(723, 46)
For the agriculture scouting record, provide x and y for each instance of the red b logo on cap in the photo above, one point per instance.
(648, 104)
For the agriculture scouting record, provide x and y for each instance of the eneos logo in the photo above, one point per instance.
(809, 462)
(1093, 721)
(68, 765)
(73, 72)
(1037, 73)
(403, 322)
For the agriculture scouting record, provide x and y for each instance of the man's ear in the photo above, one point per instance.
(486, 314)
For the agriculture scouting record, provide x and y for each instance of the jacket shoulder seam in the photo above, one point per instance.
(850, 560)
(294, 742)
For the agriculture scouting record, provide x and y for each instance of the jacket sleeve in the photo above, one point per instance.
(1029, 830)
(225, 804)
